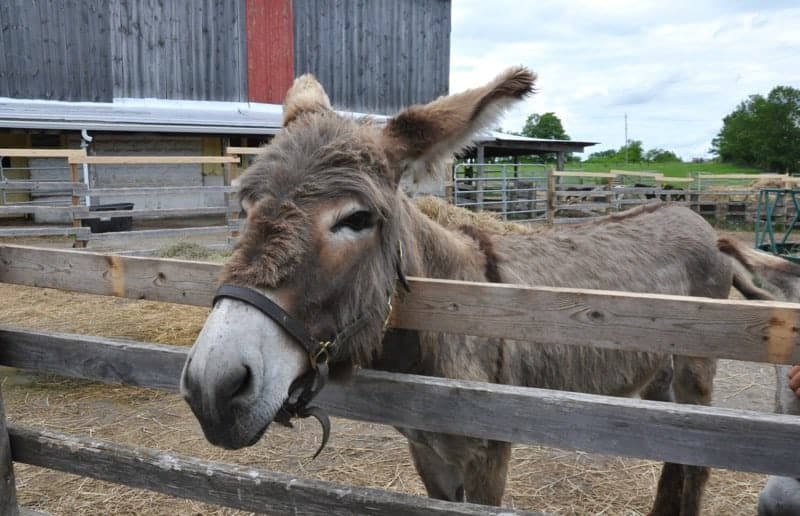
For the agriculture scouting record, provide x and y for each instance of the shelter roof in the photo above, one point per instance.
(497, 144)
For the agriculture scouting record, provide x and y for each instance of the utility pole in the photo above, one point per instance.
(626, 138)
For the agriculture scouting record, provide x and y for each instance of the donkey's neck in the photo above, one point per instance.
(434, 251)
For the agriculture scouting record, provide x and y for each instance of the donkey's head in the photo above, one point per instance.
(321, 243)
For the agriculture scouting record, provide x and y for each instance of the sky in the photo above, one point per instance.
(676, 68)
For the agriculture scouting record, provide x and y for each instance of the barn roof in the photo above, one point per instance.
(151, 115)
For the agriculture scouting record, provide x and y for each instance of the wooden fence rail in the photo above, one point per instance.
(219, 483)
(726, 438)
(742, 330)
(716, 437)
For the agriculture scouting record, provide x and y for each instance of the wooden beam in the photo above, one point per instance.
(248, 151)
(95, 358)
(93, 273)
(41, 153)
(150, 190)
(43, 210)
(44, 231)
(156, 213)
(687, 434)
(717, 328)
(587, 175)
(218, 483)
(162, 233)
(694, 326)
(753, 177)
(43, 186)
(638, 173)
(150, 160)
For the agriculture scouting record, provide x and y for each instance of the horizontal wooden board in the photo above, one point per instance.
(669, 179)
(43, 231)
(585, 206)
(43, 186)
(219, 483)
(41, 153)
(151, 190)
(754, 177)
(23, 209)
(93, 273)
(719, 328)
(250, 151)
(637, 173)
(596, 175)
(95, 358)
(150, 160)
(726, 438)
(160, 213)
(162, 233)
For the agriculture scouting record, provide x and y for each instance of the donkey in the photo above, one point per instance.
(326, 237)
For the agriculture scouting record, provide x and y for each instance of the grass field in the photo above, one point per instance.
(672, 169)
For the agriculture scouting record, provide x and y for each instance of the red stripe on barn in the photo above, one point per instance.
(270, 49)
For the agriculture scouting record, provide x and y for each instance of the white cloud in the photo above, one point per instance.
(675, 68)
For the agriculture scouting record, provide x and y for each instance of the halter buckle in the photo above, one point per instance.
(322, 350)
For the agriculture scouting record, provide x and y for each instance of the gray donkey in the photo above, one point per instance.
(327, 235)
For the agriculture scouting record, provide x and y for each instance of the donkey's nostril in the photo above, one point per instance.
(245, 384)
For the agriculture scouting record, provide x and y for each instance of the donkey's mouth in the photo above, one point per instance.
(233, 438)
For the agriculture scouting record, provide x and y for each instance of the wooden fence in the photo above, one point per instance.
(723, 438)
(530, 193)
(729, 198)
(77, 188)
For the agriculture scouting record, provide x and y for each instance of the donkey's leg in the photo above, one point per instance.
(670, 483)
(694, 382)
(485, 479)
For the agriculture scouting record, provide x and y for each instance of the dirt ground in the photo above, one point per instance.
(543, 479)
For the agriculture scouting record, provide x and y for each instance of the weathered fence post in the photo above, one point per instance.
(551, 196)
(75, 201)
(8, 489)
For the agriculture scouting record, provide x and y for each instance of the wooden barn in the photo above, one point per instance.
(190, 77)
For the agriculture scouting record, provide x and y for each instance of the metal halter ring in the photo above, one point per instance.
(323, 349)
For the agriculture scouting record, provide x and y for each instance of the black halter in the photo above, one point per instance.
(305, 388)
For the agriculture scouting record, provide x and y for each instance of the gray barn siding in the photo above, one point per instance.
(374, 55)
(95, 50)
(179, 49)
(55, 50)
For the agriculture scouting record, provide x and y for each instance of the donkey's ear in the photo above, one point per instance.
(305, 96)
(423, 135)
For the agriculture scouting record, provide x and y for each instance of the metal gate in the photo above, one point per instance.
(514, 191)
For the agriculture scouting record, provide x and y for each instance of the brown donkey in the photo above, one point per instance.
(326, 237)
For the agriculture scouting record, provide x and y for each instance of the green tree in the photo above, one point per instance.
(763, 132)
(660, 156)
(547, 125)
(633, 152)
(606, 155)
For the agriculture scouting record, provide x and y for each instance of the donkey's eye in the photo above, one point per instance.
(357, 221)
